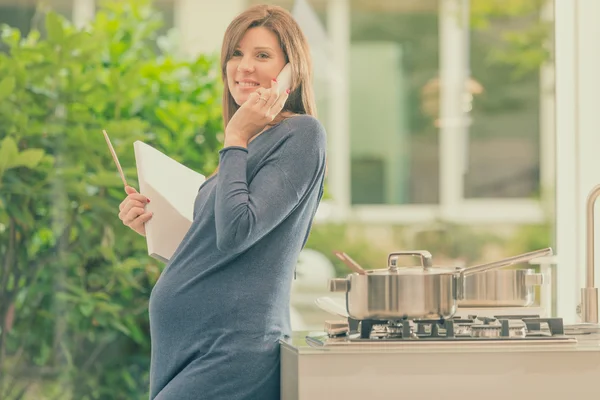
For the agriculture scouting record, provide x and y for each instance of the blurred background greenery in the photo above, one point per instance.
(75, 282)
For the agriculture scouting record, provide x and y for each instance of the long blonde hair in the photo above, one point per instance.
(295, 48)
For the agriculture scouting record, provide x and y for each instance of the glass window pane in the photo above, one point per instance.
(394, 144)
(504, 144)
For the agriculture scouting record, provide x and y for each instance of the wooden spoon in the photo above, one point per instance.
(353, 265)
(115, 158)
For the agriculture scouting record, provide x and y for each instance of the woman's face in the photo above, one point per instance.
(256, 61)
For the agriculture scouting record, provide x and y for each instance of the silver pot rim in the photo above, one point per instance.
(427, 267)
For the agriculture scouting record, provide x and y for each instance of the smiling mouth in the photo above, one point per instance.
(247, 84)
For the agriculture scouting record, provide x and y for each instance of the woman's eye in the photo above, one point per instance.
(263, 55)
(237, 53)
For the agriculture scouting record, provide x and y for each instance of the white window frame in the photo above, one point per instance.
(453, 133)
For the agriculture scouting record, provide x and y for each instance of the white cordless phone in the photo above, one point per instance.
(284, 79)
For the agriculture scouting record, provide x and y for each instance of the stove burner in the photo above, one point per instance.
(475, 327)
(485, 330)
(501, 331)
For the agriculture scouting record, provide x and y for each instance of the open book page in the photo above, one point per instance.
(172, 189)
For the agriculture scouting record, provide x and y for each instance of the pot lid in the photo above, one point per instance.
(426, 267)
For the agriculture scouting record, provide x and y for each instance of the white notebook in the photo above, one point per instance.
(172, 188)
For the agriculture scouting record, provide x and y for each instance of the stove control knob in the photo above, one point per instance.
(336, 328)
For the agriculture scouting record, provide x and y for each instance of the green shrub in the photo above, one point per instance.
(327, 238)
(74, 282)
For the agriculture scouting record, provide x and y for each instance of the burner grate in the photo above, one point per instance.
(531, 327)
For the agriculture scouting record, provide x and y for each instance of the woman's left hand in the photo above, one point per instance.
(251, 118)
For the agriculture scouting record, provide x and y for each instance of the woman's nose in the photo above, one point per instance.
(246, 65)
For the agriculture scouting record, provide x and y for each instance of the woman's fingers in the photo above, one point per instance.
(132, 214)
(129, 190)
(129, 204)
(138, 223)
(272, 96)
(264, 99)
(131, 210)
(133, 197)
(278, 106)
(254, 100)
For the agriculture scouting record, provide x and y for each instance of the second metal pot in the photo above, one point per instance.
(501, 288)
(423, 292)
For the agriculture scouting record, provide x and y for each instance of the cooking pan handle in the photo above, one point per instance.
(505, 262)
(425, 256)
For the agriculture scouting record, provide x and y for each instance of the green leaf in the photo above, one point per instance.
(136, 334)
(167, 120)
(54, 27)
(86, 309)
(8, 152)
(10, 36)
(131, 383)
(7, 86)
(105, 179)
(32, 37)
(29, 158)
(119, 326)
(43, 355)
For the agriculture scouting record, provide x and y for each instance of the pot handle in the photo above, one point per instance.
(505, 262)
(423, 254)
(339, 285)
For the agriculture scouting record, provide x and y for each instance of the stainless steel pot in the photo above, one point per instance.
(422, 292)
(501, 288)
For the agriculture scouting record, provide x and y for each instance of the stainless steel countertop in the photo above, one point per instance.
(298, 344)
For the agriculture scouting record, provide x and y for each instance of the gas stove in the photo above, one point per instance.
(472, 329)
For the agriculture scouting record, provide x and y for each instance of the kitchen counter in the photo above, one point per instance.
(446, 370)
(298, 343)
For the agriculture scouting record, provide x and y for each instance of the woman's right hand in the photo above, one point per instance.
(252, 117)
(132, 211)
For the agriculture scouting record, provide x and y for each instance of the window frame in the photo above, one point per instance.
(453, 138)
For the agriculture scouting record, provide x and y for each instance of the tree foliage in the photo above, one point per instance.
(526, 37)
(74, 282)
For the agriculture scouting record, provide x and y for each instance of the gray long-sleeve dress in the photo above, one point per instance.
(222, 303)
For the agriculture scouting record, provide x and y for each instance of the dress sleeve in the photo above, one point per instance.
(246, 211)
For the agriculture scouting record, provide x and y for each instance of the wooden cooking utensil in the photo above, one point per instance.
(115, 158)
